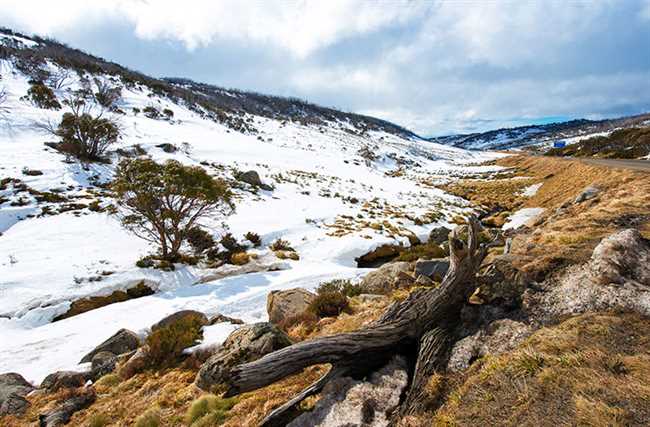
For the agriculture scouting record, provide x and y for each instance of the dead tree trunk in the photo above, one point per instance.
(405, 323)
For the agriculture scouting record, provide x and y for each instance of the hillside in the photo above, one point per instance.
(540, 136)
(630, 143)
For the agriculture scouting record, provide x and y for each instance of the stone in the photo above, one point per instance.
(62, 414)
(220, 318)
(379, 256)
(13, 389)
(403, 280)
(349, 402)
(251, 177)
(381, 280)
(291, 302)
(587, 194)
(63, 379)
(102, 363)
(248, 343)
(502, 281)
(439, 235)
(167, 147)
(180, 316)
(121, 342)
(135, 364)
(424, 281)
(433, 268)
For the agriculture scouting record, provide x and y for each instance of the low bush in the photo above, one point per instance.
(307, 318)
(42, 96)
(150, 418)
(151, 112)
(108, 381)
(287, 255)
(99, 420)
(239, 258)
(281, 245)
(199, 239)
(168, 113)
(230, 243)
(424, 251)
(166, 344)
(342, 286)
(254, 238)
(208, 410)
(329, 304)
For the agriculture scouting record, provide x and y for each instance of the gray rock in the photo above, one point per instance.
(180, 316)
(248, 343)
(122, 342)
(62, 414)
(439, 235)
(366, 298)
(502, 281)
(498, 337)
(291, 302)
(64, 379)
(103, 363)
(381, 280)
(167, 147)
(349, 402)
(135, 364)
(253, 178)
(13, 389)
(587, 194)
(220, 318)
(433, 269)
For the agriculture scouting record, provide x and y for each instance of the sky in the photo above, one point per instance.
(435, 67)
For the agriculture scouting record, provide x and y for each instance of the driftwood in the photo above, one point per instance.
(410, 325)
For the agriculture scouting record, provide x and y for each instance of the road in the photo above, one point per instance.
(637, 165)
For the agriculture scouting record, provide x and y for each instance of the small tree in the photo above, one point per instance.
(161, 203)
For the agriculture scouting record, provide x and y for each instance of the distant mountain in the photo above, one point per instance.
(539, 135)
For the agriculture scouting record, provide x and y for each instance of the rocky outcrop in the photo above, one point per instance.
(102, 363)
(439, 235)
(498, 337)
(617, 277)
(434, 268)
(379, 256)
(349, 402)
(134, 364)
(246, 344)
(183, 315)
(587, 194)
(13, 389)
(382, 280)
(283, 304)
(501, 282)
(62, 414)
(253, 178)
(220, 318)
(63, 379)
(121, 342)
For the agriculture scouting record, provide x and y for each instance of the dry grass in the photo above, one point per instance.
(591, 370)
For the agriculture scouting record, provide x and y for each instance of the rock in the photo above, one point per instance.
(502, 281)
(433, 269)
(439, 235)
(103, 363)
(617, 277)
(220, 318)
(424, 281)
(498, 337)
(587, 194)
(253, 178)
(62, 414)
(135, 364)
(167, 147)
(379, 256)
(63, 379)
(248, 343)
(122, 342)
(179, 316)
(403, 280)
(13, 389)
(349, 402)
(283, 304)
(381, 280)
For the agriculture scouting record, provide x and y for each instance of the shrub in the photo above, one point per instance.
(345, 287)
(307, 318)
(166, 344)
(106, 94)
(199, 239)
(281, 245)
(230, 243)
(42, 96)
(239, 258)
(287, 255)
(151, 112)
(150, 418)
(168, 113)
(208, 410)
(136, 110)
(161, 202)
(424, 251)
(329, 304)
(254, 238)
(108, 381)
(99, 420)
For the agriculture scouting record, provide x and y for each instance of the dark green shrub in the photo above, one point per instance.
(254, 238)
(329, 304)
(42, 96)
(230, 243)
(199, 239)
(345, 287)
(151, 112)
(281, 245)
(208, 410)
(168, 113)
(166, 344)
(107, 95)
(424, 251)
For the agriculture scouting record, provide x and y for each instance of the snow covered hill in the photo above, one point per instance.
(540, 136)
(343, 185)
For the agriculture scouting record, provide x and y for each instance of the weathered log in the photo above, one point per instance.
(403, 325)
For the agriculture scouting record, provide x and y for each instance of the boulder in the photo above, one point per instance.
(587, 194)
(433, 268)
(248, 343)
(439, 235)
(135, 364)
(283, 304)
(349, 402)
(180, 316)
(253, 178)
(122, 342)
(379, 256)
(502, 281)
(103, 363)
(167, 147)
(62, 414)
(63, 379)
(381, 280)
(13, 389)
(220, 318)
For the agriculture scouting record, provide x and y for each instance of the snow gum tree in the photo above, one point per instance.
(161, 203)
